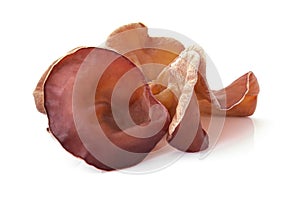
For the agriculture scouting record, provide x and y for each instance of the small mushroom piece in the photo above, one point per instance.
(239, 99)
(180, 78)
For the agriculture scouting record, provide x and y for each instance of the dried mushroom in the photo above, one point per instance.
(58, 97)
(111, 106)
(237, 99)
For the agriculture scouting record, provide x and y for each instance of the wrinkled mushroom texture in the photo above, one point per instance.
(59, 89)
(133, 41)
(39, 90)
(180, 78)
(154, 56)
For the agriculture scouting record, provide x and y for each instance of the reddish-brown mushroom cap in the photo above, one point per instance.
(65, 116)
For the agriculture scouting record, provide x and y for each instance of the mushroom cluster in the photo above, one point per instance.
(111, 106)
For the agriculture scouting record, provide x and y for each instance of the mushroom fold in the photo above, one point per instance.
(82, 136)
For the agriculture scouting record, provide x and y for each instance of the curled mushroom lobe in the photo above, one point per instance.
(111, 106)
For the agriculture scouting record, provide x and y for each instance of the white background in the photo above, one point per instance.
(255, 158)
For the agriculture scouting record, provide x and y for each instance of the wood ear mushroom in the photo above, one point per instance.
(111, 106)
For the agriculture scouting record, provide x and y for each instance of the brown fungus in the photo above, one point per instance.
(59, 106)
(112, 107)
(155, 56)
